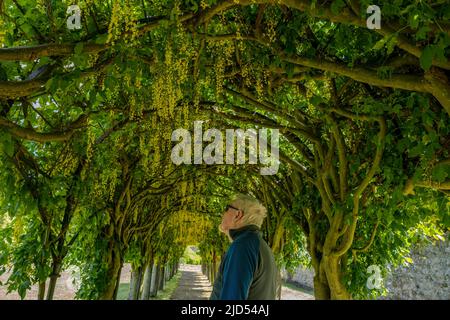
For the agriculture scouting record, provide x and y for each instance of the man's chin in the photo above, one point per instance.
(225, 231)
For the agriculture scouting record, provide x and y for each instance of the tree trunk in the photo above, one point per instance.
(332, 267)
(58, 258)
(133, 283)
(321, 289)
(210, 273)
(327, 268)
(139, 282)
(56, 271)
(169, 271)
(161, 277)
(119, 273)
(279, 284)
(213, 266)
(147, 281)
(52, 286)
(166, 271)
(41, 292)
(154, 281)
(328, 279)
(42, 260)
(112, 274)
(439, 87)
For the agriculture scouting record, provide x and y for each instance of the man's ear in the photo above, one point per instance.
(239, 215)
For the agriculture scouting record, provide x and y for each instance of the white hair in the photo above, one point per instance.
(254, 212)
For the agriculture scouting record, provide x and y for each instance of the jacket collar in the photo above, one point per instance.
(235, 233)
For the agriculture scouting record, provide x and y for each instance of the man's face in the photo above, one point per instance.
(229, 219)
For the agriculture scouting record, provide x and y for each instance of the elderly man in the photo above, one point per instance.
(248, 269)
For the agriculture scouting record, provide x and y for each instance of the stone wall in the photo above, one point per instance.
(427, 278)
(302, 277)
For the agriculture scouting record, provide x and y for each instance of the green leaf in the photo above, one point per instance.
(380, 44)
(81, 60)
(99, 97)
(416, 151)
(441, 172)
(316, 100)
(446, 12)
(426, 58)
(391, 44)
(337, 5)
(43, 61)
(421, 34)
(194, 6)
(79, 48)
(439, 53)
(414, 20)
(27, 28)
(49, 84)
(7, 144)
(3, 74)
(101, 39)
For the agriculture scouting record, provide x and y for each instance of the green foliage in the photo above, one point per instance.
(294, 252)
(190, 256)
(109, 187)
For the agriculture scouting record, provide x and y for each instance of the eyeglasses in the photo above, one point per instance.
(230, 206)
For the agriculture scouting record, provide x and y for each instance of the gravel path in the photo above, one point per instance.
(193, 285)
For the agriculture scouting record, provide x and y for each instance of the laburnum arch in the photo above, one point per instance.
(87, 116)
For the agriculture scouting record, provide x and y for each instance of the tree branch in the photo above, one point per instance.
(31, 134)
(31, 53)
(372, 237)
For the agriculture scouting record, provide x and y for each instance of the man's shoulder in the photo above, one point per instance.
(246, 237)
(247, 242)
(244, 248)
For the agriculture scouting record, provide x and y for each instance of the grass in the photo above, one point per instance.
(124, 289)
(297, 288)
(169, 288)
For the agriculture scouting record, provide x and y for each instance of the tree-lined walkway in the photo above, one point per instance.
(98, 125)
(193, 285)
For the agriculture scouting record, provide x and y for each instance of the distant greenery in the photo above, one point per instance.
(190, 257)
